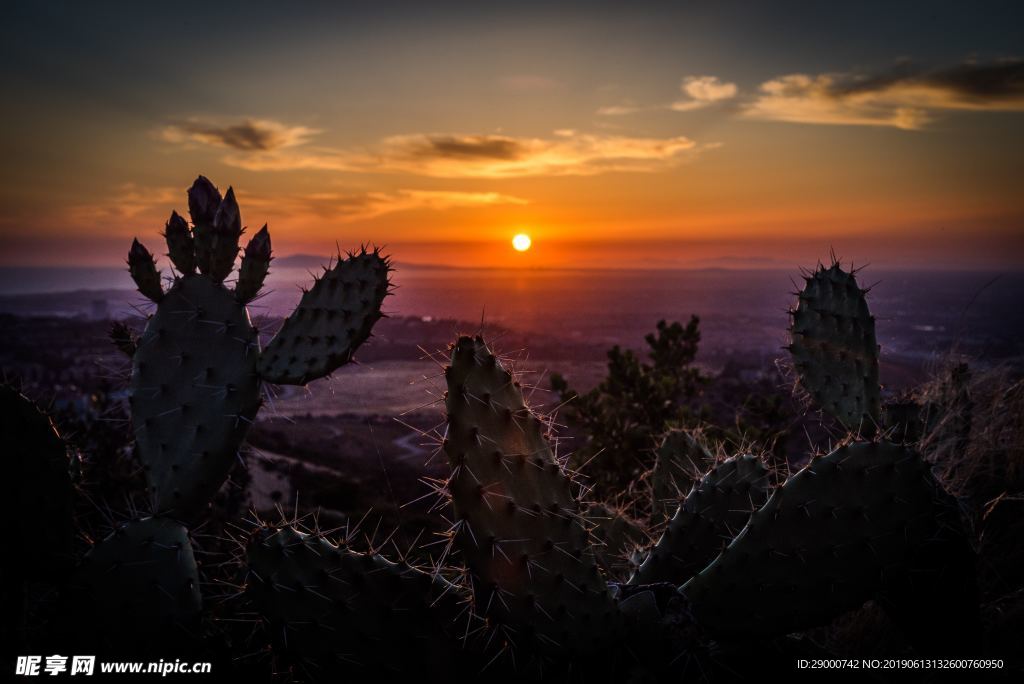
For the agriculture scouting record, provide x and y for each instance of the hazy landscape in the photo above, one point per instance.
(564, 342)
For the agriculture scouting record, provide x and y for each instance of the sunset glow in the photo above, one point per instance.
(696, 141)
(521, 242)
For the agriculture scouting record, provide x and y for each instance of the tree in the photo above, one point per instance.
(637, 401)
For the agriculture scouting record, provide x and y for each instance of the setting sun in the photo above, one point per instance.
(521, 242)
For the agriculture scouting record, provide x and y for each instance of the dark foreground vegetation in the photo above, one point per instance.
(700, 528)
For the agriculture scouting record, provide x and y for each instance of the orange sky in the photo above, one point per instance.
(443, 136)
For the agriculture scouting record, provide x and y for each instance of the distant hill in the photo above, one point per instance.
(316, 261)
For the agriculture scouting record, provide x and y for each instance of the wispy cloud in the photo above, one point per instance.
(127, 206)
(620, 110)
(448, 155)
(127, 201)
(529, 82)
(246, 135)
(698, 92)
(355, 206)
(906, 97)
(702, 91)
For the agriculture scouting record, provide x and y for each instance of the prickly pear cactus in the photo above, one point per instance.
(834, 349)
(517, 522)
(194, 388)
(139, 587)
(197, 368)
(714, 512)
(823, 544)
(680, 460)
(331, 609)
(614, 536)
(333, 318)
(194, 393)
(37, 469)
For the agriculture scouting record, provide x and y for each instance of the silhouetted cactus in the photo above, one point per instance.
(517, 520)
(197, 370)
(834, 349)
(38, 472)
(329, 608)
(715, 510)
(680, 460)
(138, 589)
(738, 563)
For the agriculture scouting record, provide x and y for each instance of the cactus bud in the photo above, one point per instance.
(143, 271)
(228, 219)
(255, 264)
(227, 228)
(203, 201)
(124, 339)
(180, 245)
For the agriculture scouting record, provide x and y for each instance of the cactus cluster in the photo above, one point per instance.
(195, 388)
(197, 369)
(543, 585)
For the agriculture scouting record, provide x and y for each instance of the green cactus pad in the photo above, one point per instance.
(142, 268)
(614, 537)
(255, 266)
(834, 349)
(181, 246)
(330, 608)
(518, 524)
(224, 236)
(332, 319)
(139, 587)
(680, 460)
(826, 541)
(714, 511)
(39, 484)
(194, 392)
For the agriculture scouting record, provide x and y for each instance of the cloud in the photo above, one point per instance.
(127, 201)
(247, 135)
(366, 205)
(619, 110)
(447, 155)
(702, 91)
(906, 96)
(528, 83)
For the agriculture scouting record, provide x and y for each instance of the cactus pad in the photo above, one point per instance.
(834, 349)
(615, 536)
(333, 318)
(140, 586)
(331, 608)
(194, 392)
(826, 541)
(39, 483)
(255, 266)
(518, 524)
(714, 511)
(680, 460)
